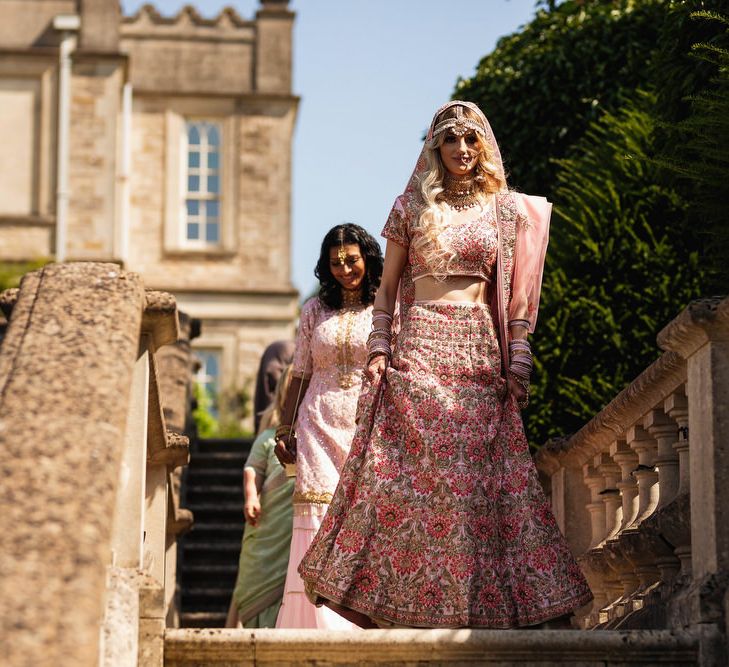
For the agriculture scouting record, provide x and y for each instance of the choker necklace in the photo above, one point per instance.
(459, 192)
(351, 297)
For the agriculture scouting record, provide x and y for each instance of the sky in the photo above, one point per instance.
(370, 74)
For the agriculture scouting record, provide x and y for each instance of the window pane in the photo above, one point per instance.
(213, 184)
(213, 135)
(193, 183)
(208, 376)
(193, 231)
(193, 134)
(193, 160)
(212, 209)
(211, 232)
(193, 207)
(213, 160)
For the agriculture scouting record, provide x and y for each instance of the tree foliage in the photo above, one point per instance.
(616, 273)
(542, 86)
(698, 149)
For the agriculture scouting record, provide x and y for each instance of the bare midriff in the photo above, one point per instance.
(454, 289)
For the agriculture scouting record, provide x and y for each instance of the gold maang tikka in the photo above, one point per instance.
(341, 253)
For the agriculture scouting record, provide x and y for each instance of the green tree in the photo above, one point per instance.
(696, 147)
(12, 272)
(542, 86)
(617, 271)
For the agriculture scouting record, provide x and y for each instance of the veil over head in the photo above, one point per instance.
(459, 124)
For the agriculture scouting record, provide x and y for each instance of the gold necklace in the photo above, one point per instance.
(351, 298)
(459, 192)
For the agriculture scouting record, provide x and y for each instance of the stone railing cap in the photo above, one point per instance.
(701, 321)
(652, 386)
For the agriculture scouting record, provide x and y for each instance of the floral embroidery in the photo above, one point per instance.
(455, 527)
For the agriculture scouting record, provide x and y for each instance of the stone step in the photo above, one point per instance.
(232, 476)
(405, 648)
(196, 575)
(238, 445)
(212, 553)
(213, 492)
(227, 460)
(205, 511)
(203, 619)
(218, 530)
(204, 598)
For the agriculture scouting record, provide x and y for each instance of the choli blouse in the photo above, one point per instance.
(472, 244)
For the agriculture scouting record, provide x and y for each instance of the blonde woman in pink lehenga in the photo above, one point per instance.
(331, 351)
(439, 519)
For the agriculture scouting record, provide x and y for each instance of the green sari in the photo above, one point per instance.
(264, 553)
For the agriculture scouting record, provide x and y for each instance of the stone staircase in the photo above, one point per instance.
(212, 489)
(411, 648)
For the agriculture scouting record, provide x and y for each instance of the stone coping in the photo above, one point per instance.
(650, 388)
(701, 321)
(192, 646)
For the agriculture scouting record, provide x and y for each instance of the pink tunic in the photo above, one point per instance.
(331, 351)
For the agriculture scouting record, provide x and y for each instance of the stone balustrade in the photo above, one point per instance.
(88, 460)
(642, 490)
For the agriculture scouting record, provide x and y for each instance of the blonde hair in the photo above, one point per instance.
(271, 416)
(434, 214)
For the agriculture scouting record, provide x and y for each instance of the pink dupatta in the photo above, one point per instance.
(523, 233)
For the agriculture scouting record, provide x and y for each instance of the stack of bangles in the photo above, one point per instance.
(282, 431)
(520, 367)
(380, 337)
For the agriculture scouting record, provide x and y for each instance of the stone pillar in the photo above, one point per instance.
(274, 24)
(66, 369)
(100, 20)
(700, 334)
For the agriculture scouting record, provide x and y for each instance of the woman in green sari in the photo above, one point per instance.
(264, 554)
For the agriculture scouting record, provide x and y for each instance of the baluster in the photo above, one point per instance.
(664, 430)
(641, 442)
(676, 406)
(678, 530)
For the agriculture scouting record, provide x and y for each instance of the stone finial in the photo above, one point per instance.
(160, 318)
(8, 299)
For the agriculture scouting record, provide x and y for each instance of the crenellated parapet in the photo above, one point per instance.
(648, 517)
(225, 54)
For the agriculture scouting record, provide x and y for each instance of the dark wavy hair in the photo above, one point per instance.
(330, 291)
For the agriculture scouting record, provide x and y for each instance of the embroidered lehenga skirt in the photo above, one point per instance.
(439, 519)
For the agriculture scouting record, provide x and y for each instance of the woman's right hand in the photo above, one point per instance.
(376, 368)
(285, 449)
(252, 510)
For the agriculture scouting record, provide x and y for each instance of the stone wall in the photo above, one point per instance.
(87, 537)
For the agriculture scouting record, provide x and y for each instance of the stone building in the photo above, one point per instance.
(164, 145)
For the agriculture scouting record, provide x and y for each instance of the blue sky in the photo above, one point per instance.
(370, 74)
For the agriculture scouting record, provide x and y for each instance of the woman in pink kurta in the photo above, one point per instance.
(331, 350)
(439, 519)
